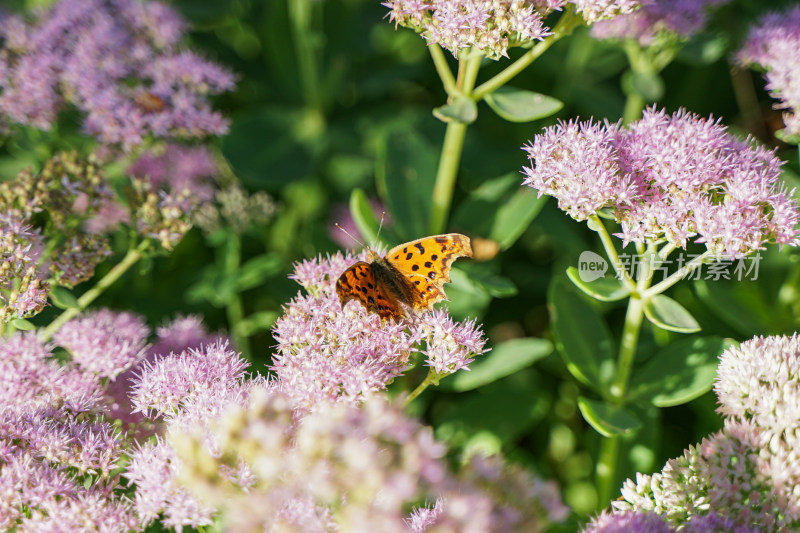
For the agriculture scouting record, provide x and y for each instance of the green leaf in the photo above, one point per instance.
(788, 138)
(63, 298)
(515, 215)
(505, 359)
(257, 270)
(261, 321)
(608, 420)
(703, 49)
(480, 277)
(22, 324)
(679, 373)
(668, 314)
(648, 85)
(364, 216)
(405, 174)
(461, 109)
(740, 305)
(521, 105)
(603, 289)
(582, 337)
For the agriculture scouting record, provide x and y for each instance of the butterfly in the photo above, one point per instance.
(410, 276)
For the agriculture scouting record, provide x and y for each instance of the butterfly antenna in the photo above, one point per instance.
(350, 235)
(380, 226)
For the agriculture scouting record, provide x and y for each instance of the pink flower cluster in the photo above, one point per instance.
(329, 353)
(119, 62)
(349, 468)
(743, 478)
(683, 18)
(678, 178)
(60, 447)
(774, 45)
(491, 26)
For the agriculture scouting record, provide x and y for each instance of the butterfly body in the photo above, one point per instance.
(409, 277)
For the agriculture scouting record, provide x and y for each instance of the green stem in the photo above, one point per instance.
(566, 24)
(676, 276)
(303, 35)
(453, 146)
(611, 252)
(609, 449)
(605, 470)
(442, 68)
(433, 377)
(130, 259)
(234, 308)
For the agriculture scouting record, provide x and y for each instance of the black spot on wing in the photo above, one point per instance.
(441, 239)
(434, 257)
(371, 300)
(409, 256)
(414, 267)
(432, 274)
(428, 264)
(420, 248)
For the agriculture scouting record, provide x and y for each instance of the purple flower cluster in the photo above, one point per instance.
(492, 26)
(69, 189)
(667, 177)
(774, 45)
(23, 291)
(186, 391)
(351, 468)
(119, 62)
(743, 478)
(328, 353)
(104, 342)
(57, 450)
(683, 18)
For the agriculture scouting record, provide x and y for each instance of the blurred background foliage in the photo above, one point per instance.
(331, 99)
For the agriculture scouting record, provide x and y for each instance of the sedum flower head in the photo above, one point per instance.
(759, 381)
(774, 45)
(488, 25)
(188, 391)
(117, 61)
(682, 18)
(340, 468)
(58, 451)
(492, 26)
(676, 177)
(628, 522)
(23, 290)
(743, 478)
(104, 342)
(54, 203)
(327, 352)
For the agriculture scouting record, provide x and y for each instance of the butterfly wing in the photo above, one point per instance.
(426, 262)
(359, 283)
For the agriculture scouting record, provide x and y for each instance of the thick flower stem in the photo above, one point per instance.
(234, 308)
(605, 470)
(301, 13)
(453, 146)
(130, 259)
(433, 377)
(609, 448)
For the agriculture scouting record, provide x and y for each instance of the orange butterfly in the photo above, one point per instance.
(410, 276)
